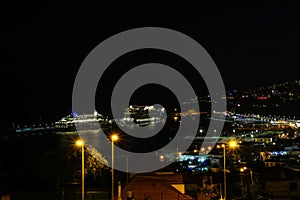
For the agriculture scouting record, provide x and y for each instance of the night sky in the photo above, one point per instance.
(43, 45)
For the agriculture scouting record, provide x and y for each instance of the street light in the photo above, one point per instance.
(81, 143)
(206, 151)
(242, 170)
(231, 144)
(114, 137)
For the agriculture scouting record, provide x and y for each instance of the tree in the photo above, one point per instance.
(95, 162)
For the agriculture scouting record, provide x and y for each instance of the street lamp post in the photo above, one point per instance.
(81, 143)
(114, 138)
(251, 176)
(243, 173)
(224, 171)
(231, 144)
(241, 177)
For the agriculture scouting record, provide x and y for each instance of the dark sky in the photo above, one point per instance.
(43, 45)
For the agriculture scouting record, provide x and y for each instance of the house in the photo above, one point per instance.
(155, 186)
(282, 182)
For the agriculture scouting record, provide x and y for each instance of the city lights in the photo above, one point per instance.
(146, 101)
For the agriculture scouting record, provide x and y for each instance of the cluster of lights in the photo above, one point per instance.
(282, 153)
(242, 169)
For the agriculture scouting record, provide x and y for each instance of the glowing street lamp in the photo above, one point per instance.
(161, 158)
(81, 143)
(231, 144)
(242, 170)
(114, 137)
(206, 151)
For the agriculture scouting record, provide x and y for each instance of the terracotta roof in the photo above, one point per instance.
(155, 186)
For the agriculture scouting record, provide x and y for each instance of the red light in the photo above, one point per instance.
(262, 98)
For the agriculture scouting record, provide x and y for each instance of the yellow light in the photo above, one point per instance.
(241, 170)
(161, 158)
(79, 142)
(114, 137)
(175, 118)
(232, 143)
